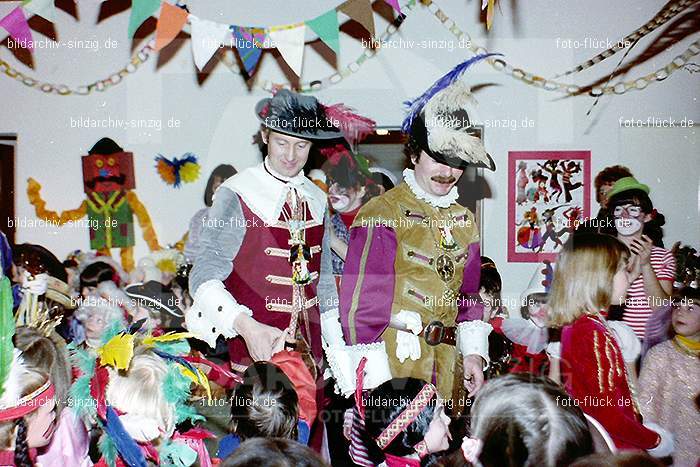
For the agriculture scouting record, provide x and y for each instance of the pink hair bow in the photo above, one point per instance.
(471, 448)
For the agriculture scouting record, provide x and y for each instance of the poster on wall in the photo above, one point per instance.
(548, 195)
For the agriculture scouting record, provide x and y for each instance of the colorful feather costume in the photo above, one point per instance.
(127, 437)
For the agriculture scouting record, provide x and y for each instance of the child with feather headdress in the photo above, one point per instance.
(135, 391)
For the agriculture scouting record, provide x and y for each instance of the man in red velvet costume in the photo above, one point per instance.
(263, 276)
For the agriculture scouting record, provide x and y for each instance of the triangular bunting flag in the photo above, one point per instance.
(43, 8)
(249, 43)
(289, 40)
(141, 10)
(207, 37)
(326, 26)
(360, 11)
(395, 5)
(170, 23)
(16, 24)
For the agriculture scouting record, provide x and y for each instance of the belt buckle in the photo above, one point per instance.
(434, 332)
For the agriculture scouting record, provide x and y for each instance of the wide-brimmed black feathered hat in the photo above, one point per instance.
(439, 124)
(296, 115)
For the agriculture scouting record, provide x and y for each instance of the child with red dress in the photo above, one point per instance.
(591, 273)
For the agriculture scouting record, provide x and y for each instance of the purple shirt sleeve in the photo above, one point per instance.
(367, 287)
(469, 309)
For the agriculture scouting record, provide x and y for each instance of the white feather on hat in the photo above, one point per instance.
(455, 97)
(444, 140)
(447, 131)
(13, 389)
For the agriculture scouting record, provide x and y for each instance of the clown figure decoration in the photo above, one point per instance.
(110, 204)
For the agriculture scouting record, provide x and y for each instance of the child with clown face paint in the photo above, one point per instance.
(632, 213)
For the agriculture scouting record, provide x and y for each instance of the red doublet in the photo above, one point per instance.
(594, 375)
(261, 280)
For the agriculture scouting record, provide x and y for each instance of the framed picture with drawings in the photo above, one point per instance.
(548, 195)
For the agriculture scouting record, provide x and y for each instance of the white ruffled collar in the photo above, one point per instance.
(265, 192)
(435, 201)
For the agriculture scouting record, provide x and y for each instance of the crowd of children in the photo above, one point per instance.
(96, 366)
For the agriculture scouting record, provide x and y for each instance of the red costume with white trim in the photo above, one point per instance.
(594, 374)
(269, 291)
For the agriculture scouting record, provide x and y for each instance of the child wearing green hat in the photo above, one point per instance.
(633, 215)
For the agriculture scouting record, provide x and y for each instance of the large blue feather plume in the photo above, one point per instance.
(128, 449)
(416, 106)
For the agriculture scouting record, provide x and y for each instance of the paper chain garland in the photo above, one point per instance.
(314, 85)
(671, 11)
(551, 85)
(100, 85)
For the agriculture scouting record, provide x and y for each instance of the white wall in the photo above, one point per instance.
(217, 117)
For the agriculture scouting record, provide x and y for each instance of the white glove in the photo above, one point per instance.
(667, 444)
(36, 286)
(408, 342)
(340, 362)
(331, 331)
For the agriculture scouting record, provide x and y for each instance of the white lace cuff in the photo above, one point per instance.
(213, 312)
(473, 339)
(343, 361)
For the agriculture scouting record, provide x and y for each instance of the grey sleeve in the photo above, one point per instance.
(194, 233)
(327, 291)
(220, 239)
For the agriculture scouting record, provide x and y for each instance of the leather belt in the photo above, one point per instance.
(436, 333)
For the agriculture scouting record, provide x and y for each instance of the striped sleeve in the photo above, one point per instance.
(664, 264)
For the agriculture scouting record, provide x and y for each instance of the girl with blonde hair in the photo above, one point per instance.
(138, 395)
(592, 273)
